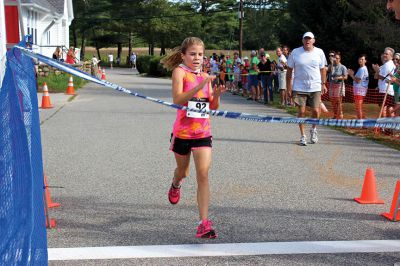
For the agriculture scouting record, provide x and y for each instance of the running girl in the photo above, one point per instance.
(192, 131)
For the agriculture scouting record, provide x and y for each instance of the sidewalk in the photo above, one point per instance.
(58, 100)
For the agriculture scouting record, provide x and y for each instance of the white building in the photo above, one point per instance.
(47, 21)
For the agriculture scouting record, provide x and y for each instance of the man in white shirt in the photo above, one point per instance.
(386, 71)
(111, 59)
(281, 66)
(309, 65)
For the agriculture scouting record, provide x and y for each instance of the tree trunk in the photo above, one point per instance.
(119, 52)
(74, 36)
(129, 48)
(96, 45)
(83, 46)
(98, 52)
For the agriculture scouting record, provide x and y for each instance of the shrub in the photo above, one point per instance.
(156, 68)
(151, 66)
(143, 63)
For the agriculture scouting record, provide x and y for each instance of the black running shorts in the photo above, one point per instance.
(185, 146)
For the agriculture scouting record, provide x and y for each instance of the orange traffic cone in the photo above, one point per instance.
(394, 214)
(50, 203)
(103, 74)
(70, 88)
(368, 193)
(46, 103)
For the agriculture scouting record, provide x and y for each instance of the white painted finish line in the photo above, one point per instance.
(233, 249)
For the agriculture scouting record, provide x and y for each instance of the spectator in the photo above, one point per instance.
(337, 74)
(286, 53)
(222, 69)
(266, 76)
(384, 75)
(111, 59)
(229, 74)
(132, 59)
(394, 6)
(252, 78)
(71, 56)
(94, 65)
(259, 86)
(206, 65)
(245, 77)
(360, 84)
(214, 68)
(396, 83)
(57, 53)
(281, 67)
(236, 59)
(275, 78)
(237, 78)
(118, 61)
(308, 63)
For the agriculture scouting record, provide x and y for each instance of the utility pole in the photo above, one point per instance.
(240, 28)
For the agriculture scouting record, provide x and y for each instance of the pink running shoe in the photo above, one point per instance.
(205, 230)
(174, 194)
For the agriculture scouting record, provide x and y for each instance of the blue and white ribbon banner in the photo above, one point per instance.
(389, 123)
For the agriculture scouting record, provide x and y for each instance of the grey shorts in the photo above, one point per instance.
(310, 99)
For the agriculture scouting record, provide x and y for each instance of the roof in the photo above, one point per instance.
(52, 5)
(58, 5)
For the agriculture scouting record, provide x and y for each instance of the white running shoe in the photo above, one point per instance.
(303, 141)
(313, 135)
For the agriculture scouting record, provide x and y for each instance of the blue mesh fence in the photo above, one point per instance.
(22, 221)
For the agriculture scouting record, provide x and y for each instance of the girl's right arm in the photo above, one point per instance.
(180, 97)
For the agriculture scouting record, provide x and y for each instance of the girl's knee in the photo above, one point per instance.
(202, 176)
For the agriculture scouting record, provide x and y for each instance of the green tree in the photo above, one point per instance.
(351, 27)
(262, 22)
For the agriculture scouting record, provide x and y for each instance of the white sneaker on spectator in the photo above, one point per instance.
(303, 141)
(313, 135)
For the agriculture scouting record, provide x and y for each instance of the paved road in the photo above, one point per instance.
(109, 152)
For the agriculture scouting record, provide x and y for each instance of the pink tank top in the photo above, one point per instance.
(188, 127)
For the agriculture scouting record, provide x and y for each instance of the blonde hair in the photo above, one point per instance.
(173, 59)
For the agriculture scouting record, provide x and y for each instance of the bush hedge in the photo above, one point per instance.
(151, 66)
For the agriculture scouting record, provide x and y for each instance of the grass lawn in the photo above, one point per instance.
(59, 83)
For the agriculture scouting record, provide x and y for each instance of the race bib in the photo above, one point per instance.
(198, 104)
